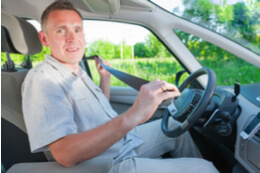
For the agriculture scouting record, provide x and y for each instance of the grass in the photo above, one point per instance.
(230, 71)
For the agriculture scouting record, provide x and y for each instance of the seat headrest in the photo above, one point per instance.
(18, 35)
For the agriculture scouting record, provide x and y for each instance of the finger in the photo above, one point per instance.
(96, 60)
(165, 86)
(171, 87)
(168, 95)
(107, 63)
(99, 67)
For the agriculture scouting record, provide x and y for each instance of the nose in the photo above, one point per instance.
(70, 36)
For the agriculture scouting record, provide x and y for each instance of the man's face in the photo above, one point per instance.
(64, 35)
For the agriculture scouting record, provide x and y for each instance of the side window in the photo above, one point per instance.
(129, 48)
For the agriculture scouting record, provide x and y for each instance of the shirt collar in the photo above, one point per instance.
(65, 71)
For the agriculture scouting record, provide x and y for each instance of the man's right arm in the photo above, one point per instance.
(75, 148)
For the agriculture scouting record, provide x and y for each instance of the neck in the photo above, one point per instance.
(73, 67)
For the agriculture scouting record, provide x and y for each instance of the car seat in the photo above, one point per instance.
(19, 36)
(16, 37)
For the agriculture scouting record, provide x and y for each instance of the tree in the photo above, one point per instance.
(155, 48)
(141, 50)
(102, 48)
(238, 22)
(243, 22)
(127, 51)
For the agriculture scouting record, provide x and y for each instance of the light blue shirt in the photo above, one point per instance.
(57, 102)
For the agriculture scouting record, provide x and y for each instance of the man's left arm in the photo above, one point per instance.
(104, 78)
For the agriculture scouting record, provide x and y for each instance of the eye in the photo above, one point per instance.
(60, 31)
(77, 30)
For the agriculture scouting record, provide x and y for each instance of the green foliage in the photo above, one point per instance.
(231, 70)
(141, 50)
(109, 50)
(17, 58)
(224, 13)
(239, 22)
(152, 47)
(127, 51)
(155, 47)
(103, 49)
(244, 23)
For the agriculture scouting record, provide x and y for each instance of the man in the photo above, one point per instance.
(67, 113)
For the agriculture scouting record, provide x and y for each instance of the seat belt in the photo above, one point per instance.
(84, 63)
(128, 79)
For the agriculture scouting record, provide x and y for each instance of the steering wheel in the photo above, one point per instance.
(190, 105)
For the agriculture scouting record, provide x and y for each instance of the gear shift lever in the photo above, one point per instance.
(236, 90)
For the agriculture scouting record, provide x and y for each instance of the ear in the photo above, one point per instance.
(43, 38)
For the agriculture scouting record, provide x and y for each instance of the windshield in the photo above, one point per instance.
(238, 20)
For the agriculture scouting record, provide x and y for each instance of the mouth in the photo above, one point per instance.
(71, 50)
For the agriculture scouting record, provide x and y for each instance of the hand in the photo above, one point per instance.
(102, 72)
(150, 97)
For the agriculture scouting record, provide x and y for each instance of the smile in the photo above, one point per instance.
(72, 49)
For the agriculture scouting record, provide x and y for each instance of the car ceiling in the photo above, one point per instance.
(33, 9)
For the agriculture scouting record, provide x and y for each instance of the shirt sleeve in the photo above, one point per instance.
(47, 111)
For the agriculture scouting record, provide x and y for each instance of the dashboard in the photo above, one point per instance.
(247, 151)
(234, 121)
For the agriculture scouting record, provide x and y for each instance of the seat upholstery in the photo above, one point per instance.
(11, 97)
(96, 165)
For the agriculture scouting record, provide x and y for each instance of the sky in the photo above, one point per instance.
(114, 32)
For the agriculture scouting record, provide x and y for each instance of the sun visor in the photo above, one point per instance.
(99, 6)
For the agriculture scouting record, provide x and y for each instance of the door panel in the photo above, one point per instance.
(122, 98)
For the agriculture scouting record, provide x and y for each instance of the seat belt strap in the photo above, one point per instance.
(128, 79)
